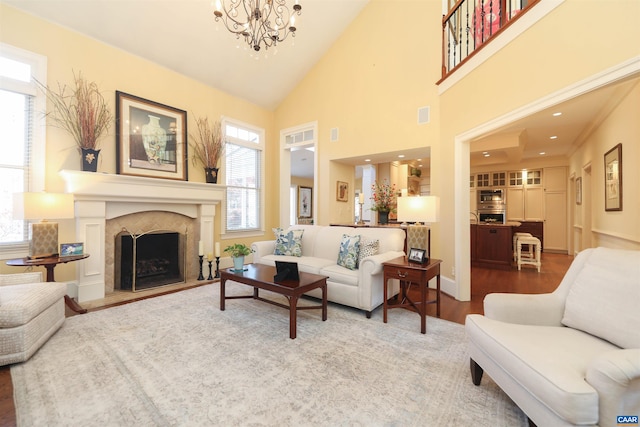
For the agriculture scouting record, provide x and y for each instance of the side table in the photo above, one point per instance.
(409, 272)
(50, 263)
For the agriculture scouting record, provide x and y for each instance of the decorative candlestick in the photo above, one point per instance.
(210, 276)
(217, 276)
(200, 276)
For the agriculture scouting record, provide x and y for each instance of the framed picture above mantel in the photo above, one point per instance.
(151, 138)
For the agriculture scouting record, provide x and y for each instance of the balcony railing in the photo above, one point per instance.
(470, 24)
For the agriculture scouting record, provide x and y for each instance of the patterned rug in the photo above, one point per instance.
(177, 360)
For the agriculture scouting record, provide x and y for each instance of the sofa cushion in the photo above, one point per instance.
(614, 317)
(550, 362)
(288, 242)
(305, 263)
(368, 247)
(340, 275)
(348, 254)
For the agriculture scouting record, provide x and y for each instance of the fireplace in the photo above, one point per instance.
(148, 260)
(106, 203)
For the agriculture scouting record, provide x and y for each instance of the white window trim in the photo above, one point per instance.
(260, 146)
(38, 150)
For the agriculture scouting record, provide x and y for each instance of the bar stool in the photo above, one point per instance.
(533, 256)
(515, 241)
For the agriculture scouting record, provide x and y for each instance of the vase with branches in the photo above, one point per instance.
(81, 110)
(207, 146)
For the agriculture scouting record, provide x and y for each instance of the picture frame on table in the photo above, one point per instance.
(417, 255)
(304, 202)
(613, 179)
(342, 191)
(151, 138)
(71, 249)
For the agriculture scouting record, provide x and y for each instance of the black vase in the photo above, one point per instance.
(89, 159)
(383, 217)
(211, 175)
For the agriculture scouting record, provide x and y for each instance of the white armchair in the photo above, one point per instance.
(30, 312)
(571, 357)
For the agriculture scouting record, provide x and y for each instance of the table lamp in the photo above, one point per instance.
(418, 209)
(44, 234)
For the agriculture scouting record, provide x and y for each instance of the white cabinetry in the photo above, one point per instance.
(555, 201)
(525, 196)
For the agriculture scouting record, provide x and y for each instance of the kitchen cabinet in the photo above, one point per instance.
(556, 206)
(491, 246)
(525, 196)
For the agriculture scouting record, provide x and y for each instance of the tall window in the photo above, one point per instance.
(22, 160)
(243, 168)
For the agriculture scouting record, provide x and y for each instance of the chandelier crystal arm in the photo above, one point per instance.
(264, 25)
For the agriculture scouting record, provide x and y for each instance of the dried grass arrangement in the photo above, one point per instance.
(207, 143)
(80, 110)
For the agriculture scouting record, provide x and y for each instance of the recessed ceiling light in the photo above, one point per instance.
(487, 154)
(553, 137)
(419, 166)
(542, 153)
(401, 156)
(557, 114)
(367, 160)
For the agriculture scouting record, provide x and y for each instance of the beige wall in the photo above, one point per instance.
(113, 69)
(620, 229)
(370, 85)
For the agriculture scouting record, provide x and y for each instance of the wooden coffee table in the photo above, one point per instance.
(261, 277)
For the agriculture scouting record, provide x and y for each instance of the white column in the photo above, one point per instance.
(368, 179)
(90, 229)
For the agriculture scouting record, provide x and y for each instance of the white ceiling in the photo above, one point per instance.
(183, 36)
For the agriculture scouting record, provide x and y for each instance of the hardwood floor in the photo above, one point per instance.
(483, 282)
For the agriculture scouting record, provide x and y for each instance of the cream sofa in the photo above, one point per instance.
(571, 357)
(30, 312)
(361, 288)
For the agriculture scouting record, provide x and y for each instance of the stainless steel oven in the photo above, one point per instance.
(491, 216)
(488, 198)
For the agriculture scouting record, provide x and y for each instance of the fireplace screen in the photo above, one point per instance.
(149, 260)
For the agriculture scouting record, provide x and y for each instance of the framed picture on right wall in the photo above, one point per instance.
(613, 179)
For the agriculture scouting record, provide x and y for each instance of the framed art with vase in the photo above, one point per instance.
(151, 138)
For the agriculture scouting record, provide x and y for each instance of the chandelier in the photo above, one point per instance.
(265, 22)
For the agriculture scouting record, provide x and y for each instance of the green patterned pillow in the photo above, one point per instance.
(288, 242)
(349, 249)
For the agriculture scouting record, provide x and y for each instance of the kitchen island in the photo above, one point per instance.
(492, 244)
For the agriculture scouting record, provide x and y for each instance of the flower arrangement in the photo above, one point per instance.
(207, 143)
(237, 250)
(384, 197)
(80, 110)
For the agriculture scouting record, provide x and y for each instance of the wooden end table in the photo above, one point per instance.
(50, 263)
(261, 277)
(410, 272)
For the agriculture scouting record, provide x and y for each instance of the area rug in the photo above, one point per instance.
(177, 360)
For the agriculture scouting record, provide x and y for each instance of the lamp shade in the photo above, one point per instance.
(44, 235)
(42, 206)
(419, 209)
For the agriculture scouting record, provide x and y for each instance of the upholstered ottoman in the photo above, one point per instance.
(30, 312)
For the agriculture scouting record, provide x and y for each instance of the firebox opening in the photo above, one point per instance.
(148, 260)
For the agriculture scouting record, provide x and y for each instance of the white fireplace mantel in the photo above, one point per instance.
(102, 196)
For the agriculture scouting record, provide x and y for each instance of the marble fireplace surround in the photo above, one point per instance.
(104, 201)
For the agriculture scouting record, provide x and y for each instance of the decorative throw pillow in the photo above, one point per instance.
(608, 314)
(368, 247)
(288, 242)
(349, 249)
